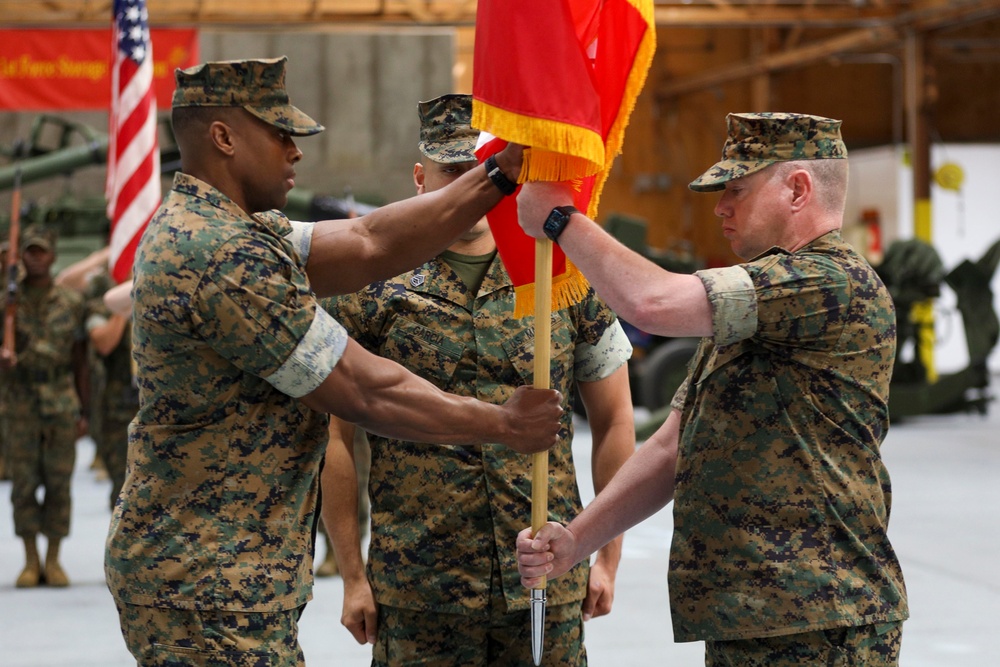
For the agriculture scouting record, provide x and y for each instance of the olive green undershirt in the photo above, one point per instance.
(470, 268)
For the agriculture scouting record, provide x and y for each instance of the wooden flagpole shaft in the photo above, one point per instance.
(542, 380)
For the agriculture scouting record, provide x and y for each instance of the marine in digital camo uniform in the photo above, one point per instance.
(805, 364)
(45, 396)
(780, 554)
(441, 561)
(208, 555)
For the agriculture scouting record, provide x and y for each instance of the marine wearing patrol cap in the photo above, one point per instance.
(37, 235)
(256, 85)
(446, 134)
(757, 140)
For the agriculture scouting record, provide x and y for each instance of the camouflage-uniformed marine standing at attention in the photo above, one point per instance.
(780, 554)
(441, 561)
(46, 400)
(209, 552)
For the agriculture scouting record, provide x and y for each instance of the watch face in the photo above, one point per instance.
(555, 223)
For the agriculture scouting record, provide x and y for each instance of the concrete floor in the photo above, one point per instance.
(945, 527)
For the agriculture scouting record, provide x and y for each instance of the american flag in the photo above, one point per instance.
(133, 186)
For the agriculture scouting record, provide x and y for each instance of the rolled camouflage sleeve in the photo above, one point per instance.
(733, 298)
(313, 359)
(301, 238)
(254, 308)
(596, 362)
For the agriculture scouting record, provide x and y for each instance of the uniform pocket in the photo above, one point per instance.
(427, 352)
(520, 350)
(164, 655)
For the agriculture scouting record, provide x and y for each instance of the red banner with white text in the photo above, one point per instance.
(71, 69)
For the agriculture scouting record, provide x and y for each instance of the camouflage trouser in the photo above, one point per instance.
(433, 639)
(499, 639)
(859, 646)
(184, 638)
(41, 453)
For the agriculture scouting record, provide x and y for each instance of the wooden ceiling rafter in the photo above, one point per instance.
(889, 35)
(678, 13)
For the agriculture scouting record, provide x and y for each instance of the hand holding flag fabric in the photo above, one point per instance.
(562, 78)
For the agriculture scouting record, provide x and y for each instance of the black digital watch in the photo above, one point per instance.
(557, 221)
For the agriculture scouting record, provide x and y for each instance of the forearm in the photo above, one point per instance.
(612, 424)
(75, 276)
(118, 299)
(609, 457)
(643, 486)
(384, 398)
(105, 338)
(639, 291)
(346, 255)
(407, 407)
(340, 501)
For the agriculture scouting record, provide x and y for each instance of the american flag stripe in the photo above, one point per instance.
(135, 155)
(133, 186)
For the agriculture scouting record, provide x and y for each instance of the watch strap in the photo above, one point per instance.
(504, 184)
(557, 221)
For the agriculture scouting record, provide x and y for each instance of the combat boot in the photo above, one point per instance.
(54, 574)
(32, 572)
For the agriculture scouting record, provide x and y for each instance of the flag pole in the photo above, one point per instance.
(540, 461)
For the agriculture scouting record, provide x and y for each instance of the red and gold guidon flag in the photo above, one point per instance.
(562, 77)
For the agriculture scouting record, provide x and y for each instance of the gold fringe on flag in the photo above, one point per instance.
(568, 288)
(559, 151)
(633, 86)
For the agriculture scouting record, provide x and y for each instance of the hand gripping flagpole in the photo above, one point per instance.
(540, 461)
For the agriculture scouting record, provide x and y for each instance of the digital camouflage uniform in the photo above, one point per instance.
(118, 399)
(782, 501)
(444, 517)
(218, 507)
(42, 404)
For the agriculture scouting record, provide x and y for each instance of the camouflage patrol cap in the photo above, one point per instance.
(256, 85)
(37, 235)
(757, 140)
(446, 133)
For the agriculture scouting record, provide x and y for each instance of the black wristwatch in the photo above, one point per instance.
(557, 221)
(506, 186)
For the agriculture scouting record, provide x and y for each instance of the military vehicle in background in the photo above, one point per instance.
(913, 272)
(56, 147)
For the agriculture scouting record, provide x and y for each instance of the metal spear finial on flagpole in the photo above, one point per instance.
(540, 461)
